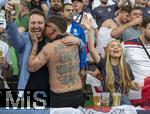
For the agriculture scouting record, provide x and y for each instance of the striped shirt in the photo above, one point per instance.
(137, 58)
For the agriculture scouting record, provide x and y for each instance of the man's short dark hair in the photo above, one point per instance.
(59, 21)
(70, 4)
(126, 8)
(37, 12)
(136, 8)
(145, 22)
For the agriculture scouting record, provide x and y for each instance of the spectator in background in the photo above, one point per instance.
(78, 17)
(137, 54)
(130, 29)
(145, 7)
(39, 4)
(105, 11)
(23, 20)
(56, 7)
(104, 34)
(76, 29)
(79, 13)
(13, 79)
(5, 63)
(87, 6)
(2, 20)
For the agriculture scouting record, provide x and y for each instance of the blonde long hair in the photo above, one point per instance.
(124, 79)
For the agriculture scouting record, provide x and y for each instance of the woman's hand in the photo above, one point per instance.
(136, 86)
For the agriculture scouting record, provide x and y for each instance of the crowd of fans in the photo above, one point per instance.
(51, 45)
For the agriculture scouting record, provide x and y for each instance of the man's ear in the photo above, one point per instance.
(142, 29)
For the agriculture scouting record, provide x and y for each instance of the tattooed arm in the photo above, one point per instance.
(36, 61)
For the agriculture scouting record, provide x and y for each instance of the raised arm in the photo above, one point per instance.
(122, 2)
(93, 52)
(14, 36)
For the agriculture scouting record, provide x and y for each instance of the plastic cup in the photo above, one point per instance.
(105, 98)
(97, 99)
(116, 99)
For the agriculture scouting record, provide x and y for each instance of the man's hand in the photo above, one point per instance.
(33, 37)
(9, 9)
(136, 21)
(87, 22)
(70, 40)
(136, 86)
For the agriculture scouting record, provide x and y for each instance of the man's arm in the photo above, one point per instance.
(122, 2)
(68, 40)
(35, 61)
(116, 32)
(44, 7)
(14, 36)
(88, 25)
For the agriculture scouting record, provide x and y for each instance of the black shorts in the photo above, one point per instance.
(68, 99)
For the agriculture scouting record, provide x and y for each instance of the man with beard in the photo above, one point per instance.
(55, 8)
(130, 29)
(137, 54)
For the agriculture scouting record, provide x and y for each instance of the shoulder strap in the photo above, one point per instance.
(144, 48)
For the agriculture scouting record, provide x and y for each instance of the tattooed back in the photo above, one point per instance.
(63, 67)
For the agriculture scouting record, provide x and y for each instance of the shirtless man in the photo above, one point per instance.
(63, 64)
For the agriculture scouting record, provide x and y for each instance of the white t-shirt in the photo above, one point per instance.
(77, 18)
(137, 59)
(5, 52)
(103, 38)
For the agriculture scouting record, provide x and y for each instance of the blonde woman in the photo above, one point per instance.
(116, 73)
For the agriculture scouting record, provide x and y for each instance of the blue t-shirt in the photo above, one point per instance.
(100, 13)
(145, 11)
(102, 67)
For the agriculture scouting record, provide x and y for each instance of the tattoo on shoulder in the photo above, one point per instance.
(67, 64)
